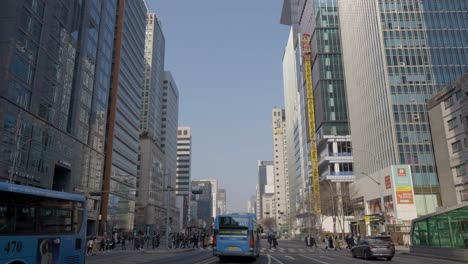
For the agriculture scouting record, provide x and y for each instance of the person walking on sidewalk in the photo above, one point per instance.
(102, 245)
(123, 244)
(94, 251)
(89, 246)
(307, 241)
(330, 242)
(326, 241)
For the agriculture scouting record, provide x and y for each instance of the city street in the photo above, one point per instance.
(288, 252)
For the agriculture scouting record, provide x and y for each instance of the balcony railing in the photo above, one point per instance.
(341, 154)
(340, 173)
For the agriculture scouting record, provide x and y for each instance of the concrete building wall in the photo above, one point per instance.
(448, 112)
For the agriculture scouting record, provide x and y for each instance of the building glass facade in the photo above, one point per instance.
(169, 121)
(54, 98)
(151, 108)
(424, 45)
(331, 112)
(125, 146)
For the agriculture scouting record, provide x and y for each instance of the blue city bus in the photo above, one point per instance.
(41, 226)
(236, 235)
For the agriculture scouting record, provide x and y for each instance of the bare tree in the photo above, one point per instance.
(269, 223)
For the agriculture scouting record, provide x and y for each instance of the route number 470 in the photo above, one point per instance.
(13, 246)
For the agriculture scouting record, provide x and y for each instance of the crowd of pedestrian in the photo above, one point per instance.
(142, 241)
(333, 242)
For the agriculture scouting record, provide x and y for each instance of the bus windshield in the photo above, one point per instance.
(232, 225)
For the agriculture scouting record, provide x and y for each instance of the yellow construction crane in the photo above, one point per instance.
(307, 58)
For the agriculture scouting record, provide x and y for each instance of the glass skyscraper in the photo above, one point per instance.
(55, 58)
(397, 54)
(122, 139)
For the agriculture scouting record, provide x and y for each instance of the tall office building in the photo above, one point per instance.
(150, 200)
(221, 203)
(56, 60)
(170, 119)
(331, 113)
(280, 165)
(251, 205)
(265, 190)
(296, 140)
(169, 124)
(214, 196)
(397, 54)
(319, 19)
(122, 138)
(202, 217)
(184, 152)
(151, 109)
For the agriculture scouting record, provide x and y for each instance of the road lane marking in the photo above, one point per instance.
(277, 260)
(319, 261)
(269, 258)
(207, 261)
(326, 257)
(289, 257)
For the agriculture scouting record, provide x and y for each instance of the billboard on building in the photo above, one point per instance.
(403, 184)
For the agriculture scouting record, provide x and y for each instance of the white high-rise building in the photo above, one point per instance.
(184, 152)
(265, 191)
(295, 111)
(280, 165)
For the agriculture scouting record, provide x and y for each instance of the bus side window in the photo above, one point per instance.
(25, 219)
(7, 217)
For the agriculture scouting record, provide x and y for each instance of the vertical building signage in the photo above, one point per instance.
(388, 182)
(403, 185)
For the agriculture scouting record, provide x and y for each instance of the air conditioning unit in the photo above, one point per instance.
(415, 116)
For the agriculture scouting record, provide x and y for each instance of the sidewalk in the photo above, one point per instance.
(401, 250)
(145, 251)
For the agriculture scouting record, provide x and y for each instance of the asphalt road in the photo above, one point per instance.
(288, 252)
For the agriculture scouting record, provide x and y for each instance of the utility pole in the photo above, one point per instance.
(167, 215)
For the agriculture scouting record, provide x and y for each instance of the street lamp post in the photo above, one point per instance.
(167, 215)
(382, 204)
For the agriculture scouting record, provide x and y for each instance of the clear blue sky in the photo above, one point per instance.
(226, 58)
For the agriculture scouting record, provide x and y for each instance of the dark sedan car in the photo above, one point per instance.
(374, 247)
